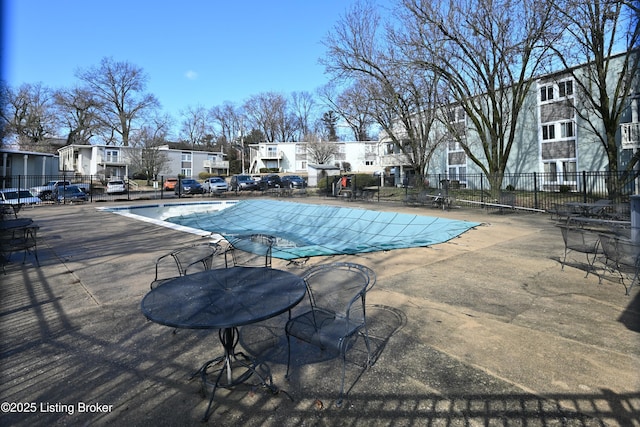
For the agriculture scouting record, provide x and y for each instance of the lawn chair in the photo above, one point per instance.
(253, 250)
(336, 316)
(197, 257)
(622, 256)
(580, 240)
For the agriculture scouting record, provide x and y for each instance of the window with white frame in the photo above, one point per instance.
(546, 93)
(567, 130)
(565, 88)
(111, 155)
(186, 172)
(548, 132)
(186, 156)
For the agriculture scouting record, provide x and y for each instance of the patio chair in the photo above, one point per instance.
(336, 315)
(178, 262)
(9, 211)
(580, 240)
(19, 239)
(252, 250)
(622, 256)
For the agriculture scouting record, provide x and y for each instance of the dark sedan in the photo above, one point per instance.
(292, 181)
(270, 181)
(70, 194)
(188, 186)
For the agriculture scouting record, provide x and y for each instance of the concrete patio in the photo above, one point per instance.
(482, 330)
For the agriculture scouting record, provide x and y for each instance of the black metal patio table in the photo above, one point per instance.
(225, 299)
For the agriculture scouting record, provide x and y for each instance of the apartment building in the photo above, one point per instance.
(108, 161)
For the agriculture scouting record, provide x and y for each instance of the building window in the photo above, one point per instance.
(546, 93)
(186, 172)
(567, 130)
(565, 88)
(548, 132)
(111, 156)
(186, 157)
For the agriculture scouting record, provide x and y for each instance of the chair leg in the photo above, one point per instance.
(288, 356)
(344, 371)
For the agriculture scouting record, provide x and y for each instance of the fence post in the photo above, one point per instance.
(535, 190)
(584, 186)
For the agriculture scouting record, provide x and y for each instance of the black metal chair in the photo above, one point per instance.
(622, 256)
(336, 316)
(18, 239)
(178, 262)
(252, 250)
(581, 240)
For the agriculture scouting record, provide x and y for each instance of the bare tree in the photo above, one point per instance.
(595, 29)
(268, 113)
(120, 88)
(150, 160)
(79, 110)
(227, 121)
(194, 127)
(321, 152)
(303, 105)
(403, 98)
(488, 53)
(28, 113)
(354, 105)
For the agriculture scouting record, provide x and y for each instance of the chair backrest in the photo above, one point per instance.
(250, 250)
(580, 239)
(337, 287)
(623, 252)
(179, 262)
(195, 258)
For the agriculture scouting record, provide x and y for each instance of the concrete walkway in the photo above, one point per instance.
(482, 330)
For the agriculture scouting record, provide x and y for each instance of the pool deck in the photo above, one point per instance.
(485, 329)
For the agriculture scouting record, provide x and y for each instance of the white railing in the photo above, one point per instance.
(216, 164)
(394, 160)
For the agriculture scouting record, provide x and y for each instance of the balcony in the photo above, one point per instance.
(216, 164)
(269, 154)
(395, 159)
(630, 135)
(111, 160)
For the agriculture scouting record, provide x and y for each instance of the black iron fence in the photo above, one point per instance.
(534, 191)
(525, 191)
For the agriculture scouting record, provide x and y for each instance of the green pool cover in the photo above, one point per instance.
(304, 230)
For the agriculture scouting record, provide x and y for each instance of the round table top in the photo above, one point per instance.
(223, 298)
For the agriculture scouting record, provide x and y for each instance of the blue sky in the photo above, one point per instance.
(196, 52)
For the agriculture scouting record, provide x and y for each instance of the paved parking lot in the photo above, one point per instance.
(482, 330)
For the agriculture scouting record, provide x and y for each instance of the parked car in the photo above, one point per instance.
(18, 196)
(292, 181)
(242, 183)
(257, 178)
(270, 181)
(49, 190)
(116, 186)
(70, 194)
(188, 186)
(170, 184)
(215, 184)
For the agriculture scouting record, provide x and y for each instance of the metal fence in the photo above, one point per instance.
(525, 191)
(536, 191)
(94, 187)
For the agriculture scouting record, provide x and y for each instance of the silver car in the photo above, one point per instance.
(215, 184)
(18, 196)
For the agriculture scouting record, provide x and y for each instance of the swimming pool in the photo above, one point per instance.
(304, 229)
